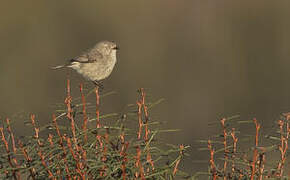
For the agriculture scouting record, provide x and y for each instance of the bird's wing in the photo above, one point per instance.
(88, 57)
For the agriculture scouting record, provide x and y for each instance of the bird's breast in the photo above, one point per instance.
(98, 70)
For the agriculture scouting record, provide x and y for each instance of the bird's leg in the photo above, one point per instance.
(98, 84)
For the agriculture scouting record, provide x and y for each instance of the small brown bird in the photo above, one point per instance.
(96, 63)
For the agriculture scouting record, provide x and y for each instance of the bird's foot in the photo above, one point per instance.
(99, 85)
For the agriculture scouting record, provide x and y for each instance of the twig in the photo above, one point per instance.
(45, 165)
(255, 152)
(225, 147)
(98, 107)
(79, 165)
(235, 140)
(85, 118)
(60, 142)
(125, 159)
(68, 101)
(14, 149)
(283, 146)
(8, 153)
(36, 130)
(28, 159)
(211, 161)
(181, 149)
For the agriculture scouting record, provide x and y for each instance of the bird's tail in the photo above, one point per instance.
(59, 67)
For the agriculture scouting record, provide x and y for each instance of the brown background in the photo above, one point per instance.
(208, 59)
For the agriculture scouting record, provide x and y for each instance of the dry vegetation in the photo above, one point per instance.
(77, 146)
(230, 161)
(86, 148)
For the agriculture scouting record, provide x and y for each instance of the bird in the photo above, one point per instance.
(96, 63)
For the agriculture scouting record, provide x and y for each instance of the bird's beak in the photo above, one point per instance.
(116, 48)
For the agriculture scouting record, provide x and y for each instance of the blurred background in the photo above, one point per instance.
(208, 59)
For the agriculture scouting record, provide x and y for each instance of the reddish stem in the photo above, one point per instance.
(225, 146)
(97, 108)
(85, 118)
(8, 152)
(211, 161)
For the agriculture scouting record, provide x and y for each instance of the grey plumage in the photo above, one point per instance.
(96, 63)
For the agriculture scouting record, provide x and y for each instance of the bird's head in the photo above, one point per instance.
(107, 47)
